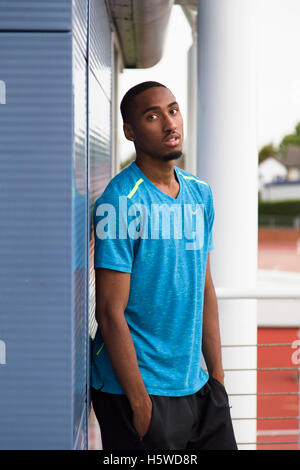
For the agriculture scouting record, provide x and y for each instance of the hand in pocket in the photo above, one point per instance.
(142, 418)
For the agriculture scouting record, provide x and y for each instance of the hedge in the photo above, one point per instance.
(287, 208)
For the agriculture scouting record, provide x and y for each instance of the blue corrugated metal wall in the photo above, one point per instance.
(55, 159)
(80, 195)
(100, 106)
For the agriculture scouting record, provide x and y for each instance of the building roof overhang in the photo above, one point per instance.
(141, 27)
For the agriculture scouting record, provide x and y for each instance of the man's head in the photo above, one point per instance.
(152, 120)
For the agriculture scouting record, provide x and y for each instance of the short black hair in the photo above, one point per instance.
(132, 93)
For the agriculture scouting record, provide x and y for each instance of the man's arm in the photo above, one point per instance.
(211, 343)
(112, 291)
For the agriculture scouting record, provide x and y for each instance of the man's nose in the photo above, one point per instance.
(169, 123)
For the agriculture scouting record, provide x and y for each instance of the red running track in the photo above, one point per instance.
(281, 381)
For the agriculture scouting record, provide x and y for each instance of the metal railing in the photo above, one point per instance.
(265, 294)
(241, 293)
(256, 293)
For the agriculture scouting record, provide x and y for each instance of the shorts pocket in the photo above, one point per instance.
(217, 382)
(151, 425)
(219, 385)
(149, 432)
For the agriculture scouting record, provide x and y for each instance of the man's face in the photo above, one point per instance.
(156, 125)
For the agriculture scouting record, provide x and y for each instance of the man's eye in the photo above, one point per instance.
(174, 111)
(151, 117)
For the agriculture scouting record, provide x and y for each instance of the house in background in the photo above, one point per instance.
(292, 163)
(279, 178)
(271, 169)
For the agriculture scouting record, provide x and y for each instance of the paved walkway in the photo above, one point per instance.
(279, 252)
(283, 431)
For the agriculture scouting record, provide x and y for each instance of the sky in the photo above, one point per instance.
(278, 69)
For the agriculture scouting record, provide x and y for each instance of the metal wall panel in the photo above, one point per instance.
(36, 141)
(100, 166)
(80, 268)
(80, 23)
(100, 108)
(52, 168)
(100, 46)
(36, 15)
(93, 167)
(100, 138)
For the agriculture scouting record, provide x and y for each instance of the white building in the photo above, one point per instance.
(271, 169)
(281, 191)
(279, 179)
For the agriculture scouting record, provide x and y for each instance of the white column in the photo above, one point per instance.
(227, 160)
(191, 148)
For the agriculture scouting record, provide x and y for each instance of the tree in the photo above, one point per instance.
(290, 139)
(267, 151)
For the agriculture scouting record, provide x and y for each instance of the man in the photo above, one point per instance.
(156, 305)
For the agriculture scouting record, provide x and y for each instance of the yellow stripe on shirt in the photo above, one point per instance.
(192, 178)
(98, 352)
(134, 189)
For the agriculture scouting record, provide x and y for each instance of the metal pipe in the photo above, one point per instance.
(256, 293)
(141, 27)
(263, 418)
(268, 443)
(255, 345)
(262, 394)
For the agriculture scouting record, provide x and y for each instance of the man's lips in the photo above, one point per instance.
(172, 140)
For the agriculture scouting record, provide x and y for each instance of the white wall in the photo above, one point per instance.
(280, 192)
(269, 170)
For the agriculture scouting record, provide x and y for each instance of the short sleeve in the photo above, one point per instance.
(211, 217)
(112, 249)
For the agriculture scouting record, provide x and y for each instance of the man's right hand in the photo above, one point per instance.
(142, 417)
(112, 293)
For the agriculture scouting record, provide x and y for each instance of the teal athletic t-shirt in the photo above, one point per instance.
(163, 242)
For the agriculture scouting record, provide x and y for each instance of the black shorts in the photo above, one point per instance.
(200, 421)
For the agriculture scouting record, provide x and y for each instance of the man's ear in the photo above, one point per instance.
(128, 131)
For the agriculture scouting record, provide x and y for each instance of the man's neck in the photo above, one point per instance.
(157, 171)
(160, 173)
